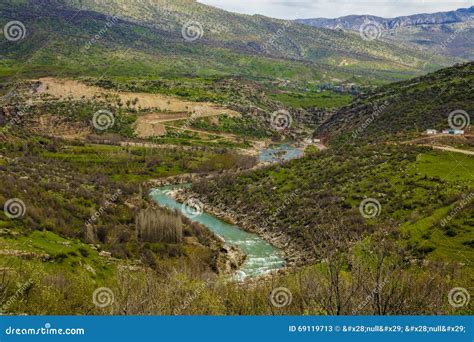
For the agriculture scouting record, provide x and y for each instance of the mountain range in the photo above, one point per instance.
(145, 37)
(404, 108)
(114, 106)
(448, 33)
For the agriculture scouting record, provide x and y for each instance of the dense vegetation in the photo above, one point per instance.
(333, 184)
(404, 108)
(79, 226)
(247, 126)
(325, 99)
(404, 252)
(88, 221)
(254, 47)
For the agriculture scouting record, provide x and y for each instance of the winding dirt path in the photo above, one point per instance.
(452, 149)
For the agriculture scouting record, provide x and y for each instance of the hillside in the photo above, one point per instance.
(405, 108)
(407, 209)
(368, 188)
(449, 33)
(145, 39)
(353, 22)
(154, 160)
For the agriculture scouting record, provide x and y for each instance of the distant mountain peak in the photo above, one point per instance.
(446, 33)
(353, 22)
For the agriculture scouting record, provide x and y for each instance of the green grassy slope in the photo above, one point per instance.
(412, 185)
(56, 245)
(405, 107)
(145, 40)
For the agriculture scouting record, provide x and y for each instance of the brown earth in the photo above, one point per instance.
(69, 88)
(149, 125)
(51, 125)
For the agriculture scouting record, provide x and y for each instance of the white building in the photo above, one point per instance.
(453, 131)
(431, 131)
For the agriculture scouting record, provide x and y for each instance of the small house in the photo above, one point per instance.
(431, 131)
(453, 131)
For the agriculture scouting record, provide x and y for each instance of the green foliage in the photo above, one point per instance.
(410, 184)
(155, 47)
(325, 99)
(244, 126)
(403, 108)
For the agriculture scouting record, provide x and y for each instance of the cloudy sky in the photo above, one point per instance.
(291, 9)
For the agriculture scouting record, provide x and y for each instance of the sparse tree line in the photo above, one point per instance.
(158, 226)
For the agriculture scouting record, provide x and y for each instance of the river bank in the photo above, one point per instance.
(291, 251)
(260, 256)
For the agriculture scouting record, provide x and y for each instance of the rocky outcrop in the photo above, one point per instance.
(354, 22)
(229, 259)
(293, 252)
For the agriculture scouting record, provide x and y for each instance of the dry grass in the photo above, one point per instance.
(76, 90)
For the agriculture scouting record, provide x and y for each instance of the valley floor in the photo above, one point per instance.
(381, 227)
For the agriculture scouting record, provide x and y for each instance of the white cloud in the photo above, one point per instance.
(291, 9)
